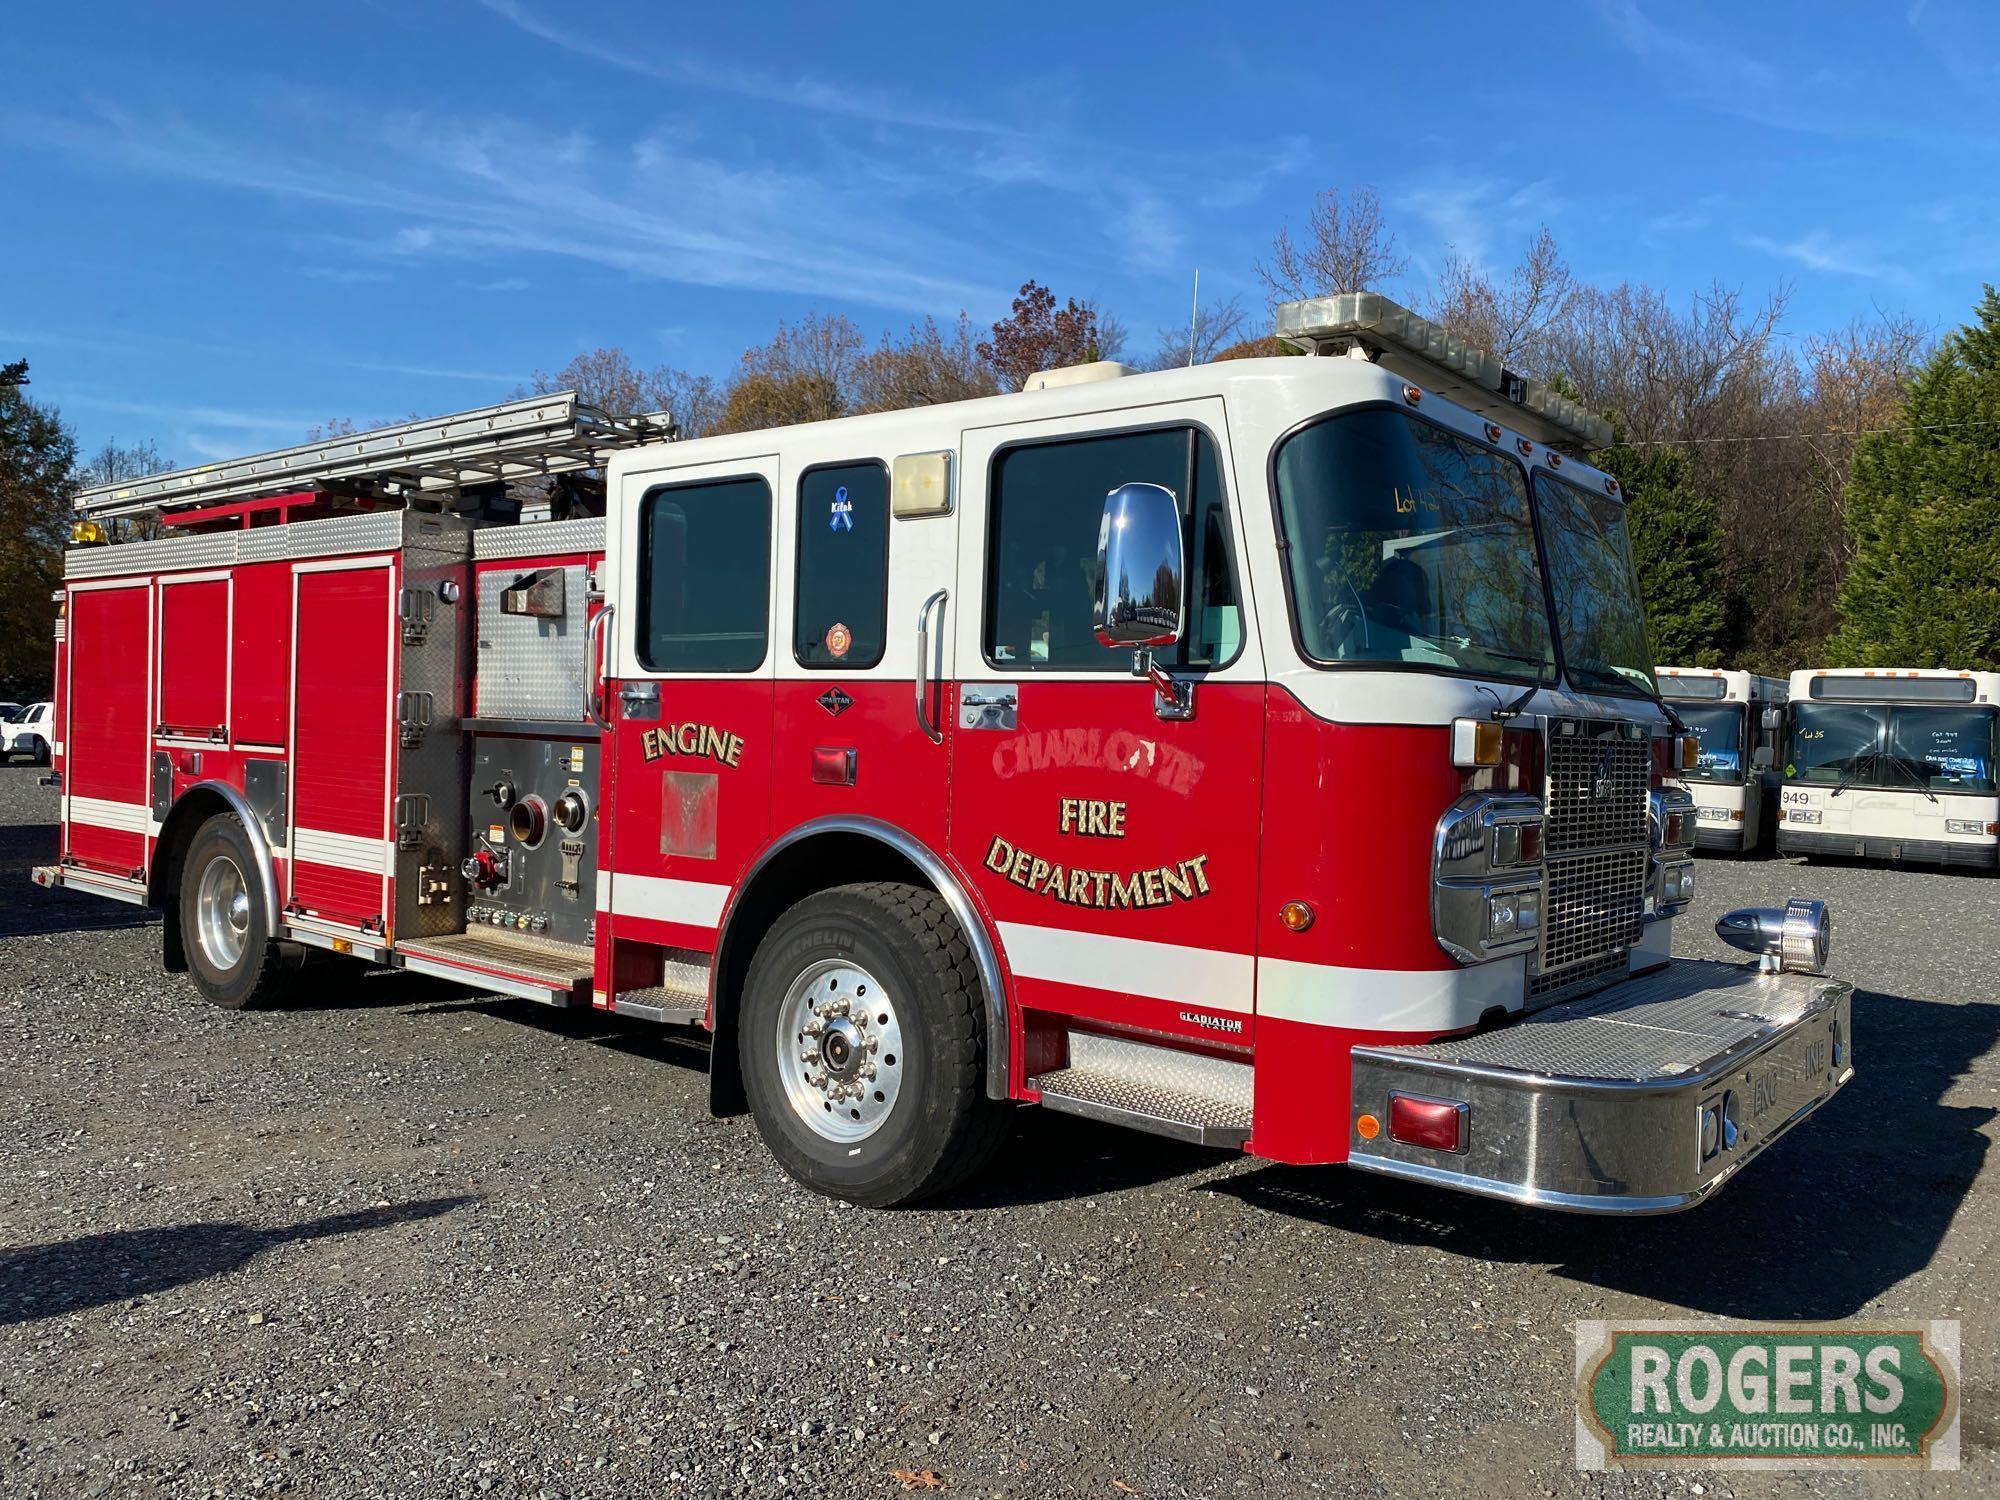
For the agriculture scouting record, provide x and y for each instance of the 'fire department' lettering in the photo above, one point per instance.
(692, 739)
(1159, 886)
(1093, 818)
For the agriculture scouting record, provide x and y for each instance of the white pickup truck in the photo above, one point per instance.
(29, 732)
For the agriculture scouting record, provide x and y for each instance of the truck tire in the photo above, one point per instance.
(862, 1042)
(230, 953)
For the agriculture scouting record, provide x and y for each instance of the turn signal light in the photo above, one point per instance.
(1434, 1124)
(1476, 742)
(1296, 916)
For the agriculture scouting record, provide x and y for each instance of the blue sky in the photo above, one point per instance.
(224, 223)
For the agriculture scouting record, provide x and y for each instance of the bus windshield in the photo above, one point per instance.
(1598, 613)
(1719, 727)
(1908, 747)
(1408, 545)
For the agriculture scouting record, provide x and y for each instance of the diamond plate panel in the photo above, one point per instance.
(543, 539)
(531, 667)
(1657, 1027)
(1182, 1094)
(544, 960)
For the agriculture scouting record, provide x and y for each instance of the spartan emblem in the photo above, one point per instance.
(1600, 785)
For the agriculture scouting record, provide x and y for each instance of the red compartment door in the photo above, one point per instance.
(106, 765)
(343, 712)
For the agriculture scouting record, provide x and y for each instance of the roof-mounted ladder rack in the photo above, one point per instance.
(524, 439)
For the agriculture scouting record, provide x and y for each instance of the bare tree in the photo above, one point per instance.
(1213, 329)
(931, 366)
(1349, 247)
(1513, 318)
(608, 379)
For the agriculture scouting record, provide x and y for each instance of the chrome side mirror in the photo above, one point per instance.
(1142, 585)
(1797, 938)
(1142, 568)
(1773, 718)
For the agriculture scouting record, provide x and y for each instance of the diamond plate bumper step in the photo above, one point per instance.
(1186, 1095)
(1643, 1098)
(505, 963)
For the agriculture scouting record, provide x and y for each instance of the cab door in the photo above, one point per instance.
(686, 647)
(1113, 844)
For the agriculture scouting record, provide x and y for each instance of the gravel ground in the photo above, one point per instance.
(400, 1240)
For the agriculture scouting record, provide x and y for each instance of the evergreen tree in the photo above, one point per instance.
(1923, 511)
(37, 479)
(1677, 546)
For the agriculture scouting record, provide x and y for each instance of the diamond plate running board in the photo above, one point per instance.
(681, 996)
(1185, 1095)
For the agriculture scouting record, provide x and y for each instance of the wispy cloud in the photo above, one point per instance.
(1468, 215)
(684, 67)
(1817, 250)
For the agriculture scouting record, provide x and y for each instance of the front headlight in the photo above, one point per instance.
(1804, 815)
(1969, 825)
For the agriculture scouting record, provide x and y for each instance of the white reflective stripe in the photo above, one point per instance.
(343, 851)
(126, 817)
(1415, 1000)
(1160, 971)
(696, 903)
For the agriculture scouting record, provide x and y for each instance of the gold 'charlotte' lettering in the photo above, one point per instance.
(703, 740)
(1186, 880)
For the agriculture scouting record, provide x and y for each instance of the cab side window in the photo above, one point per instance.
(705, 576)
(841, 605)
(1041, 551)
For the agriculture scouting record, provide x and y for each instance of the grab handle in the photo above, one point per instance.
(924, 720)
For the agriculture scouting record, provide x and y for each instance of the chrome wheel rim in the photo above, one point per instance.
(840, 1050)
(222, 913)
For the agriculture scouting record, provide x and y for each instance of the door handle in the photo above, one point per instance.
(995, 706)
(924, 720)
(593, 651)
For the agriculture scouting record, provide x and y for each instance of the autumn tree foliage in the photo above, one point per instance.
(1041, 334)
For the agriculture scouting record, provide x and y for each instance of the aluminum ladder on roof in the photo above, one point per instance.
(523, 439)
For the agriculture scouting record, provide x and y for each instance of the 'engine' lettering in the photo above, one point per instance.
(692, 739)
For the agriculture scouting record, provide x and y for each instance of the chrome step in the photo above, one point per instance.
(1187, 1095)
(681, 996)
(507, 963)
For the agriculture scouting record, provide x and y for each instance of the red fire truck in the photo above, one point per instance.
(1264, 754)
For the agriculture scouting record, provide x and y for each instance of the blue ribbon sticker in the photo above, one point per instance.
(843, 511)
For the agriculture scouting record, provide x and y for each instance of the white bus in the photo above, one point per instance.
(1739, 719)
(1893, 765)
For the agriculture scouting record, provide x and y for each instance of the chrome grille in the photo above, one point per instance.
(1599, 778)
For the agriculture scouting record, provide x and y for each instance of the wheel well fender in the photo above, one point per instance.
(816, 856)
(194, 807)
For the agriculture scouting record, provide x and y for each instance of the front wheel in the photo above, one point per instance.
(863, 1046)
(227, 933)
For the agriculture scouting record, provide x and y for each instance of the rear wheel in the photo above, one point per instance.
(40, 750)
(230, 953)
(863, 1046)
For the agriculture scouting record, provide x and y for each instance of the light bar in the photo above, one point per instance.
(1422, 352)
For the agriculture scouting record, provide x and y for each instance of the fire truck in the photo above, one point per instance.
(1739, 719)
(1894, 765)
(1264, 754)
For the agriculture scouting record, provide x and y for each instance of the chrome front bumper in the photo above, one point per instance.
(1641, 1099)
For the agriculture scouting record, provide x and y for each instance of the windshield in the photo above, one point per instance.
(1719, 727)
(1598, 614)
(1947, 749)
(1408, 545)
(1907, 747)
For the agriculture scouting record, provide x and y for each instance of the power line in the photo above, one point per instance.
(1831, 432)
